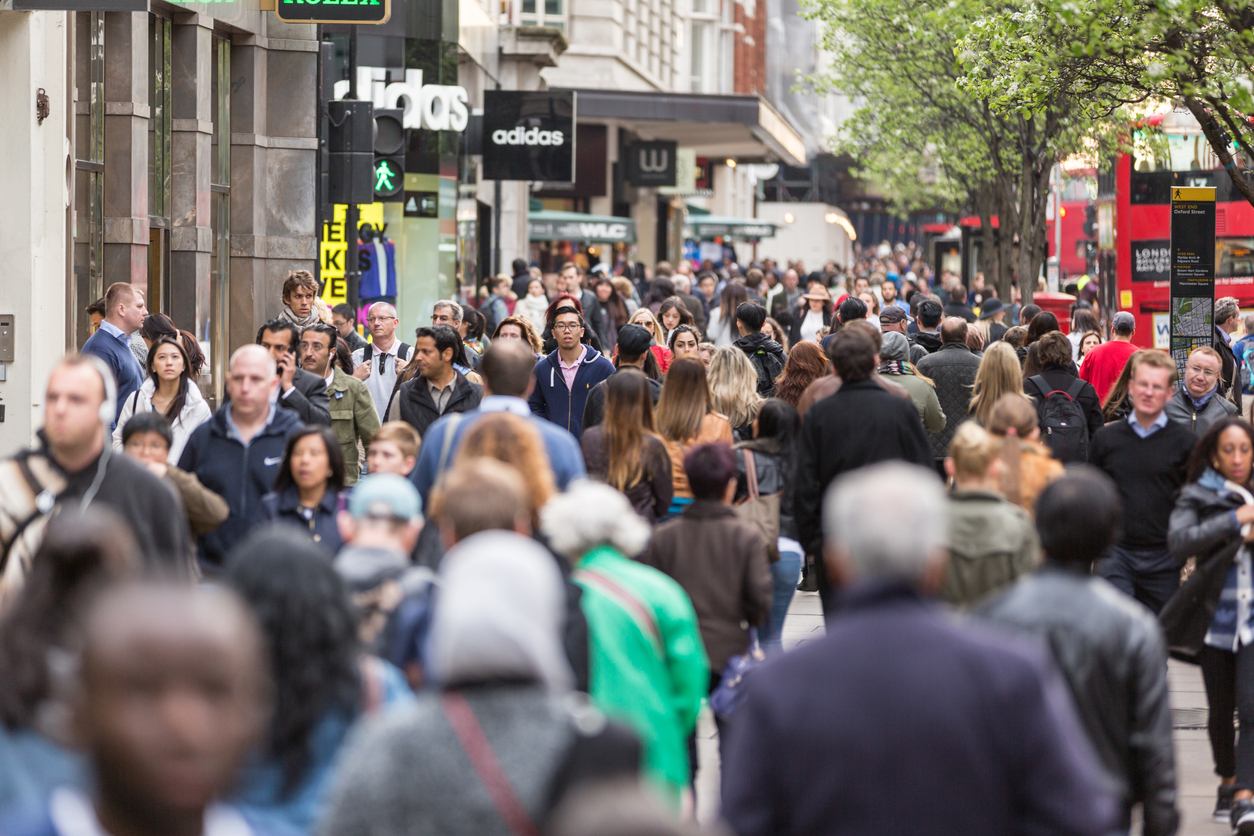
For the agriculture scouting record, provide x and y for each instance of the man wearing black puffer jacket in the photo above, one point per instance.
(439, 389)
(766, 355)
(1109, 649)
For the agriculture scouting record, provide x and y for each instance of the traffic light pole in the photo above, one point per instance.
(352, 274)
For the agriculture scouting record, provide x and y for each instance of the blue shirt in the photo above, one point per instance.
(114, 348)
(1142, 432)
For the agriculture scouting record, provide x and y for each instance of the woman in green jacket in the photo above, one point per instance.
(648, 667)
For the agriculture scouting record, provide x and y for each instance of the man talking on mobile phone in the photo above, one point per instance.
(298, 390)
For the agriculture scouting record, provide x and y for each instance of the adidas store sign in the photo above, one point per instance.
(524, 136)
(529, 135)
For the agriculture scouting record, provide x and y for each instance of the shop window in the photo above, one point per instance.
(216, 330)
(160, 121)
(88, 230)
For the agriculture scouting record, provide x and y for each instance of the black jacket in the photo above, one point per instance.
(1230, 381)
(240, 475)
(695, 307)
(418, 409)
(1060, 378)
(1200, 527)
(594, 406)
(767, 357)
(952, 369)
(1112, 654)
(860, 424)
(929, 341)
(320, 525)
(959, 309)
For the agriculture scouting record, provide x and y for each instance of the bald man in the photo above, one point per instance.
(236, 453)
(174, 692)
(380, 362)
(74, 467)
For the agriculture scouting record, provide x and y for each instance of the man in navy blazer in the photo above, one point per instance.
(903, 720)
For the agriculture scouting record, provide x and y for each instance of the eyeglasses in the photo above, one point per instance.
(1208, 373)
(565, 326)
(373, 319)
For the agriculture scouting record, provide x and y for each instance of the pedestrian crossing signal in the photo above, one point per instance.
(389, 178)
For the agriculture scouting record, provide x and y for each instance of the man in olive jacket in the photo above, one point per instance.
(353, 416)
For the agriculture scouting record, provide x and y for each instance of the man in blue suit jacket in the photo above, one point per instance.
(507, 381)
(903, 720)
(124, 313)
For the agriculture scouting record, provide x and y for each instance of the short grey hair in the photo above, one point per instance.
(592, 514)
(451, 305)
(1249, 323)
(890, 519)
(384, 307)
(1225, 309)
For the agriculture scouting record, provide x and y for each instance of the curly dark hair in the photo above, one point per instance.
(1204, 451)
(81, 553)
(311, 631)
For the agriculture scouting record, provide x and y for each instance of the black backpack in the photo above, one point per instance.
(1064, 428)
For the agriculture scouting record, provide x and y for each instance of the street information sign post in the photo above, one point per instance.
(1192, 271)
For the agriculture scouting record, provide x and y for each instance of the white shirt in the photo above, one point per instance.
(381, 384)
(811, 324)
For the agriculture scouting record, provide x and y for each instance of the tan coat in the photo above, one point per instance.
(714, 427)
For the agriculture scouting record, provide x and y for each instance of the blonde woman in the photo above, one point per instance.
(685, 416)
(999, 374)
(646, 320)
(734, 389)
(1029, 465)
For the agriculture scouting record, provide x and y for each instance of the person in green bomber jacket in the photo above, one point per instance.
(648, 665)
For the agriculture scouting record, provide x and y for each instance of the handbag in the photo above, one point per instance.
(726, 698)
(761, 512)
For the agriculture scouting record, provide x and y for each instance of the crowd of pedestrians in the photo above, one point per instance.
(486, 581)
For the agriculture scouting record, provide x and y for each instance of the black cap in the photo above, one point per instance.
(893, 313)
(633, 340)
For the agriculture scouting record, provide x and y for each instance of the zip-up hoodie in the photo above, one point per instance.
(240, 475)
(553, 401)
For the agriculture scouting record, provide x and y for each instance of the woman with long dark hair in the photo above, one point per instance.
(169, 390)
(625, 451)
(307, 488)
(322, 680)
(773, 452)
(1041, 324)
(812, 313)
(673, 313)
(613, 311)
(80, 555)
(1209, 620)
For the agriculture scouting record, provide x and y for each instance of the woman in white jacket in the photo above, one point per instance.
(169, 390)
(534, 305)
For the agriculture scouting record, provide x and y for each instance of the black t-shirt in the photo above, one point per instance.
(1148, 473)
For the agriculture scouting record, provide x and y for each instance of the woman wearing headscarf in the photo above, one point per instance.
(501, 739)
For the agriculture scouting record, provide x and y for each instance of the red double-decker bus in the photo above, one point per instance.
(1142, 226)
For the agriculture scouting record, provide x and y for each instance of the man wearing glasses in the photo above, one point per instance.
(1197, 403)
(564, 378)
(381, 362)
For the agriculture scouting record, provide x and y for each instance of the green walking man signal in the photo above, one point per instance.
(388, 178)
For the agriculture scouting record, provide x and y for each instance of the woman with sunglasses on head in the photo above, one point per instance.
(646, 320)
(170, 391)
(307, 488)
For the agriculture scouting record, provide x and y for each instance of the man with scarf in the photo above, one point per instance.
(1197, 403)
(300, 292)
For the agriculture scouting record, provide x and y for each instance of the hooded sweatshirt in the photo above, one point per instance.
(767, 357)
(552, 400)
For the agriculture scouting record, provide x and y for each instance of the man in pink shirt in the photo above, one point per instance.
(1103, 365)
(564, 378)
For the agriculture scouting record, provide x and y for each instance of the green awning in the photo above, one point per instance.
(714, 226)
(576, 226)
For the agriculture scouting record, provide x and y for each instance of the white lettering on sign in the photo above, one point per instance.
(654, 160)
(431, 107)
(527, 136)
(1152, 259)
(594, 231)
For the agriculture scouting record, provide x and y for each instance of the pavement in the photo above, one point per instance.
(1195, 769)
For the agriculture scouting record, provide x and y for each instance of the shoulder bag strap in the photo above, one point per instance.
(751, 474)
(487, 766)
(641, 614)
(454, 419)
